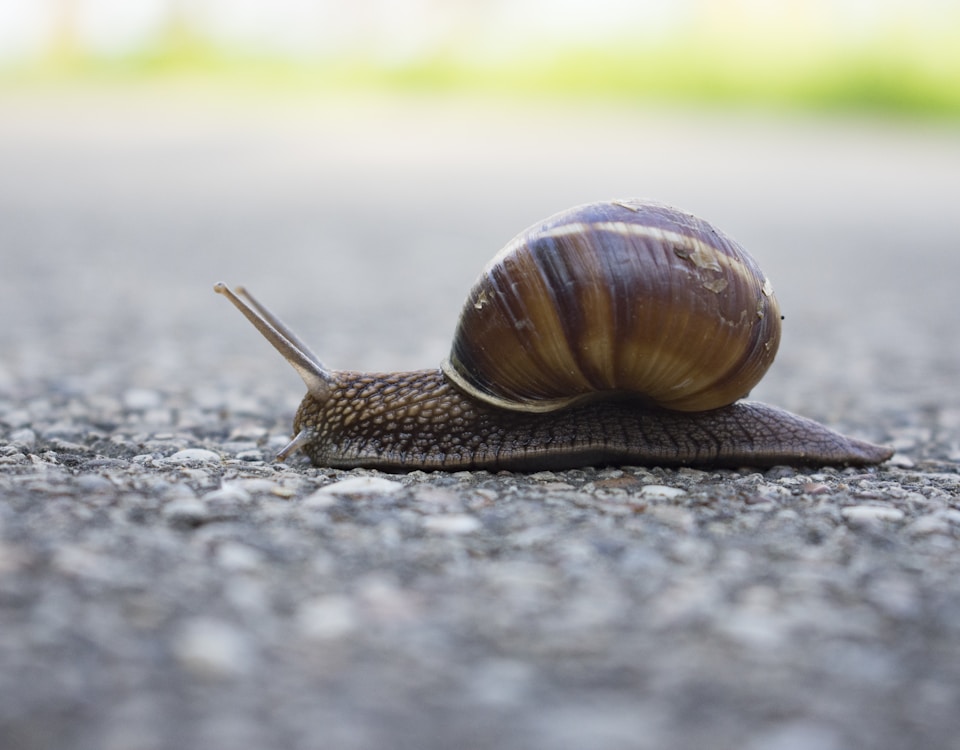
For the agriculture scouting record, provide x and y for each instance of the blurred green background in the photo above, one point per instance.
(885, 56)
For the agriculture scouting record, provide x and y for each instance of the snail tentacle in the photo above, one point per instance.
(316, 377)
(300, 440)
(282, 328)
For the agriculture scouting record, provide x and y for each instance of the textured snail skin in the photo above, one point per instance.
(419, 420)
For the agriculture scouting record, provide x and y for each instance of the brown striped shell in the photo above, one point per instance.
(624, 296)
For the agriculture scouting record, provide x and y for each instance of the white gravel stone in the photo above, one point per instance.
(867, 513)
(240, 558)
(437, 499)
(193, 455)
(24, 436)
(213, 648)
(361, 487)
(755, 630)
(928, 525)
(327, 617)
(229, 493)
(452, 523)
(254, 485)
(319, 500)
(94, 483)
(141, 399)
(671, 515)
(952, 515)
(543, 476)
(901, 461)
(251, 455)
(17, 418)
(661, 492)
(186, 510)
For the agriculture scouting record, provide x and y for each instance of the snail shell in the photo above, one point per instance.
(618, 332)
(626, 296)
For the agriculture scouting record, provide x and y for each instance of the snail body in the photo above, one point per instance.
(623, 332)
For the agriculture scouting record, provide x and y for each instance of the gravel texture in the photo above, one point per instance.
(164, 584)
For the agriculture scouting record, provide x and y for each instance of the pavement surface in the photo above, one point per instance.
(164, 584)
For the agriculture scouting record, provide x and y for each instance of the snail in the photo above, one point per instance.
(621, 332)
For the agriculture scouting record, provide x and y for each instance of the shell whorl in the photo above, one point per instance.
(623, 296)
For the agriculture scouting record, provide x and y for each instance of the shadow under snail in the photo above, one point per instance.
(622, 332)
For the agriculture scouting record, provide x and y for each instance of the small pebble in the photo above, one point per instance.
(436, 499)
(548, 486)
(661, 492)
(185, 511)
(327, 617)
(361, 487)
(248, 432)
(229, 493)
(610, 473)
(213, 648)
(952, 515)
(141, 399)
(239, 558)
(673, 516)
(193, 455)
(16, 418)
(94, 483)
(543, 476)
(236, 447)
(929, 525)
(951, 479)
(254, 485)
(453, 523)
(67, 446)
(901, 461)
(24, 436)
(867, 513)
(319, 500)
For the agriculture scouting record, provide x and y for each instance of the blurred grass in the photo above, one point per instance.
(897, 72)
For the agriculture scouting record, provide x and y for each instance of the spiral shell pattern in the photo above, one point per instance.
(622, 297)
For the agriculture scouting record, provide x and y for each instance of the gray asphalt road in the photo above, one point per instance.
(156, 598)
